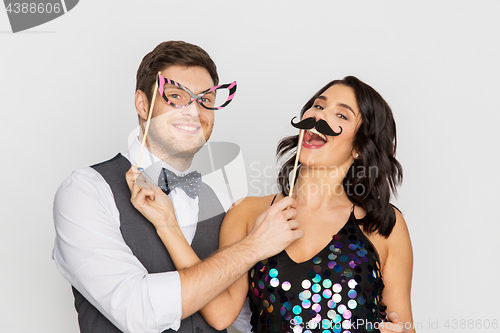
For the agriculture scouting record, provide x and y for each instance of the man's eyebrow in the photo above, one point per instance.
(342, 105)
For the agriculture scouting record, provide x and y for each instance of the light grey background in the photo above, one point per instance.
(66, 94)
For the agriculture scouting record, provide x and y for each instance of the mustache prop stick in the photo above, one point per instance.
(148, 121)
(308, 123)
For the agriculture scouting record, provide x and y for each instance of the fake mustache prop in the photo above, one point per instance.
(308, 123)
(320, 125)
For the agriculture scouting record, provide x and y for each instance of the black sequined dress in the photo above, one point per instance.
(338, 290)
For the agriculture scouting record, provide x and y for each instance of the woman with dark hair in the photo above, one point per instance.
(354, 261)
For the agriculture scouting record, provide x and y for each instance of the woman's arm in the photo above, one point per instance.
(397, 275)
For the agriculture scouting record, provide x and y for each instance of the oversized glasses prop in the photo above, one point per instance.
(179, 96)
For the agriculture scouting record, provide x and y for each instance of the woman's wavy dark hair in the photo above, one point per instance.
(375, 141)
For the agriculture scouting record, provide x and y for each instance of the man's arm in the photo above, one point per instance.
(202, 281)
(91, 254)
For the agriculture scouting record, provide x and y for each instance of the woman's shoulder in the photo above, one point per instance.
(398, 240)
(253, 204)
(246, 210)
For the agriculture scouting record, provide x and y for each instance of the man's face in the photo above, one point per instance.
(181, 132)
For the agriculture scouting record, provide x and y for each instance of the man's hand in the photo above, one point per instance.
(150, 200)
(393, 324)
(275, 229)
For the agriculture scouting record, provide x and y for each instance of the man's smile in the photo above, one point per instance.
(187, 127)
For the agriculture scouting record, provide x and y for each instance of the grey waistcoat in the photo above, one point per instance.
(140, 235)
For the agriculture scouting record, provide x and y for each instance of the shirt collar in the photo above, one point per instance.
(151, 163)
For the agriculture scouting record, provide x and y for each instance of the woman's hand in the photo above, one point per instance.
(393, 324)
(150, 200)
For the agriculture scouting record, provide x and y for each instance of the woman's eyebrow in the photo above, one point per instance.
(345, 106)
(342, 105)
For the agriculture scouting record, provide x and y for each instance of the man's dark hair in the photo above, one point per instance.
(172, 53)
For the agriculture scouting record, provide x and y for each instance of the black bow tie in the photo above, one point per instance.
(190, 183)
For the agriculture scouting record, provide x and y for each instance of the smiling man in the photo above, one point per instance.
(123, 277)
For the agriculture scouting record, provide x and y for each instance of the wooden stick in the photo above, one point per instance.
(148, 121)
(299, 147)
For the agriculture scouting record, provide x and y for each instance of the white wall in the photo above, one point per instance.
(66, 92)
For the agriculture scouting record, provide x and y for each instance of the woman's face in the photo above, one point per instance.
(338, 107)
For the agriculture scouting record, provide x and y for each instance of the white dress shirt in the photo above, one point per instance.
(89, 251)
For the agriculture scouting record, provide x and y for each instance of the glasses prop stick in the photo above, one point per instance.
(294, 174)
(148, 121)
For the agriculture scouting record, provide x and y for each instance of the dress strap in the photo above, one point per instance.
(274, 199)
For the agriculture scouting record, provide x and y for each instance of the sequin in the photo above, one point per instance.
(306, 284)
(317, 269)
(297, 309)
(317, 260)
(272, 298)
(306, 304)
(336, 329)
(352, 304)
(261, 284)
(273, 272)
(332, 256)
(282, 311)
(327, 293)
(331, 264)
(352, 247)
(337, 268)
(286, 286)
(337, 287)
(316, 307)
(287, 305)
(348, 273)
(338, 245)
(352, 293)
(316, 298)
(298, 319)
(265, 303)
(352, 283)
(252, 273)
(274, 282)
(347, 314)
(331, 314)
(326, 324)
(347, 324)
(337, 318)
(331, 304)
(361, 300)
(343, 258)
(316, 288)
(317, 278)
(270, 309)
(341, 308)
(336, 298)
(297, 329)
(317, 319)
(336, 237)
(306, 294)
(327, 283)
